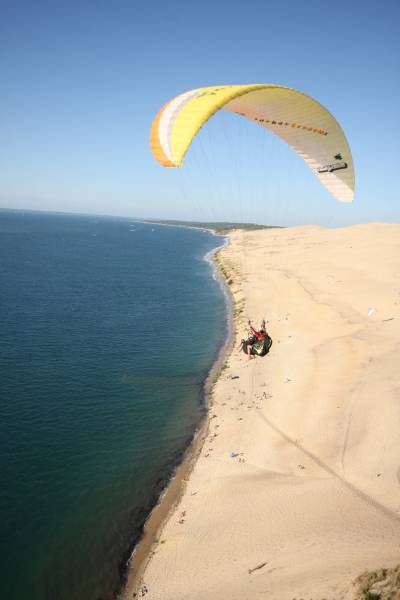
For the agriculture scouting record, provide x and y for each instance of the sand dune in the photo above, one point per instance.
(297, 487)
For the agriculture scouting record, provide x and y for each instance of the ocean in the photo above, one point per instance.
(108, 330)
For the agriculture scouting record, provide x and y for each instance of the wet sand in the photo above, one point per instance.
(295, 489)
(173, 493)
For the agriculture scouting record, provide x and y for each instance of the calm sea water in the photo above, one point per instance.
(108, 329)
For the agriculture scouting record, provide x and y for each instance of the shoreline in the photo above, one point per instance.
(171, 495)
(295, 493)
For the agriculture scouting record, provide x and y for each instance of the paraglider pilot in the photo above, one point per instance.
(258, 343)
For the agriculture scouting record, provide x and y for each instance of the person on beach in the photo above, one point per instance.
(258, 343)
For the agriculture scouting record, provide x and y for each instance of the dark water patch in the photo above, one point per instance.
(107, 335)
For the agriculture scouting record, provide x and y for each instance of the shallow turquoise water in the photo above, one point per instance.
(108, 331)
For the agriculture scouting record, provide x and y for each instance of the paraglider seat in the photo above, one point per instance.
(258, 347)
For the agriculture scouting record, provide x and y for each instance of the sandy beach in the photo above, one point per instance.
(296, 488)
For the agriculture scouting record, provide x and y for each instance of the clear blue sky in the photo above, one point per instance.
(81, 82)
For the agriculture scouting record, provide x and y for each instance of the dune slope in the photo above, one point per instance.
(297, 487)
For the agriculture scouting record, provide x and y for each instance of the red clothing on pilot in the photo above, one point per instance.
(260, 335)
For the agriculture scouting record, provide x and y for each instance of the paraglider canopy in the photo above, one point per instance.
(297, 119)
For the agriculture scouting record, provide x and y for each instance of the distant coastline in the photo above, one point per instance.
(217, 227)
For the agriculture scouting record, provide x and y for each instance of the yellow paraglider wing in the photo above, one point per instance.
(297, 119)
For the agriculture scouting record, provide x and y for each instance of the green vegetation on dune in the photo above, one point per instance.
(217, 226)
(382, 584)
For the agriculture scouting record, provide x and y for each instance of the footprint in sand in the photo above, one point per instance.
(182, 519)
